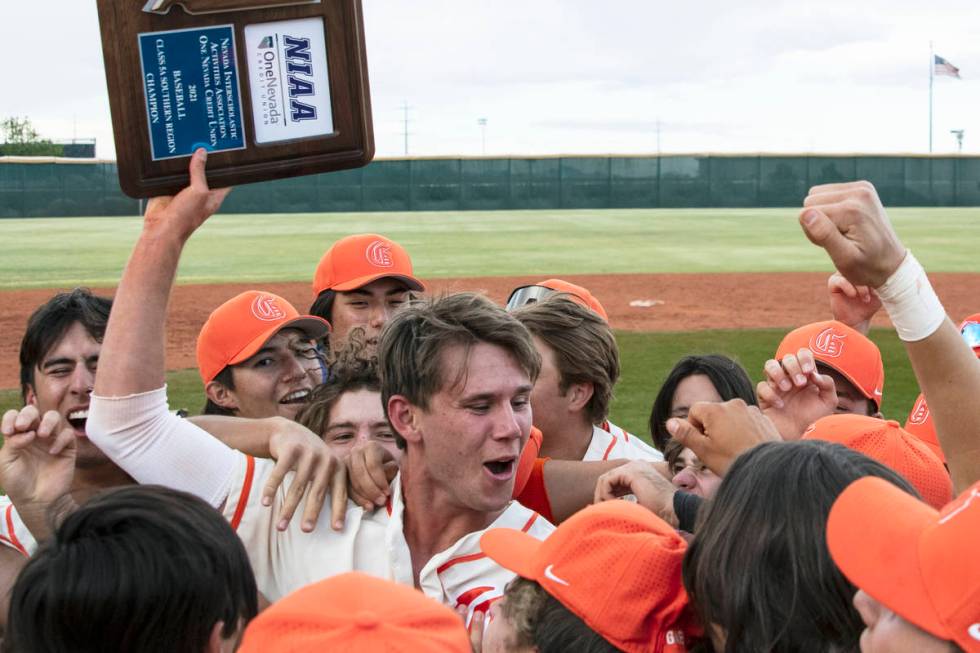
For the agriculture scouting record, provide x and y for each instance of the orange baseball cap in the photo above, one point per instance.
(921, 564)
(578, 293)
(239, 327)
(889, 444)
(356, 261)
(538, 291)
(356, 612)
(843, 349)
(919, 424)
(615, 565)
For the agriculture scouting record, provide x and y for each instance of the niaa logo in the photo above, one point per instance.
(828, 342)
(267, 309)
(299, 62)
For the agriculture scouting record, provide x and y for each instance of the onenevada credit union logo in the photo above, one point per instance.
(289, 81)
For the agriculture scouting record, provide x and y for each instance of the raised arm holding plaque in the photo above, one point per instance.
(271, 88)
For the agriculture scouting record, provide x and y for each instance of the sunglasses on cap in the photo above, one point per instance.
(527, 295)
(971, 333)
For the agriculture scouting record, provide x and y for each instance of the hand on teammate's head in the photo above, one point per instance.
(718, 433)
(849, 222)
(795, 394)
(646, 481)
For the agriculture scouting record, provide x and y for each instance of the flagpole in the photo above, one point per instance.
(932, 68)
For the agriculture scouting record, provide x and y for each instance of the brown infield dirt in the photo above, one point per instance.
(677, 302)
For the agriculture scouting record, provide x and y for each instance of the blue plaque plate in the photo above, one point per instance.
(191, 88)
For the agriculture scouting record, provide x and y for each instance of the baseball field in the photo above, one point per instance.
(673, 281)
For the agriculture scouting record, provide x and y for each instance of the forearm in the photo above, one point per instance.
(40, 519)
(250, 436)
(132, 358)
(153, 446)
(571, 484)
(11, 562)
(949, 376)
(947, 370)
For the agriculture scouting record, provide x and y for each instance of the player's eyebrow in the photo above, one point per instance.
(54, 362)
(341, 425)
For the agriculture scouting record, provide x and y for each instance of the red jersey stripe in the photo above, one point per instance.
(609, 449)
(246, 491)
(13, 535)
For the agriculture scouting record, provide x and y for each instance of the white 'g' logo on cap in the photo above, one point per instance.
(267, 309)
(974, 631)
(379, 254)
(920, 412)
(828, 342)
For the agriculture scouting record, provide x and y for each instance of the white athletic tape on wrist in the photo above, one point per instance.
(910, 301)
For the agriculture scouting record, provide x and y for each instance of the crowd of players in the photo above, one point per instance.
(396, 472)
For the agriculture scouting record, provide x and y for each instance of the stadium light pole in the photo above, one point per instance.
(958, 133)
(482, 122)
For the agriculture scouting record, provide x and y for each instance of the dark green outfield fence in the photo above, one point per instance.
(448, 184)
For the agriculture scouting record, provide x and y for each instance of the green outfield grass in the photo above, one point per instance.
(647, 358)
(58, 252)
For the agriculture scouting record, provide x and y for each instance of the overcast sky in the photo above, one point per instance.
(580, 76)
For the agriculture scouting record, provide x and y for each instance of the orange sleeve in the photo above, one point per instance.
(535, 494)
(525, 465)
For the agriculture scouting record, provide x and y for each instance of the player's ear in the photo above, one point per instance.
(219, 394)
(215, 641)
(30, 397)
(404, 418)
(579, 394)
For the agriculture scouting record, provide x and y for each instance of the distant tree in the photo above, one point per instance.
(21, 139)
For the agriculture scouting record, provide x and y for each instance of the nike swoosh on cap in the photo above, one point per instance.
(974, 630)
(550, 575)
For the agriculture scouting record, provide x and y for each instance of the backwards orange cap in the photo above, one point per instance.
(616, 566)
(239, 327)
(840, 347)
(893, 447)
(921, 564)
(578, 293)
(355, 612)
(356, 261)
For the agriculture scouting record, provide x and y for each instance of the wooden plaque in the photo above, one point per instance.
(272, 88)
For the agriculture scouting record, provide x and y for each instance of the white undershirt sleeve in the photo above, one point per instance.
(139, 434)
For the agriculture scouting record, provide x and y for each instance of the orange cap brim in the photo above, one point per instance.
(512, 549)
(864, 393)
(313, 327)
(360, 282)
(873, 533)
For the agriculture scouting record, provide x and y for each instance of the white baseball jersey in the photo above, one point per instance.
(607, 446)
(13, 532)
(632, 440)
(371, 542)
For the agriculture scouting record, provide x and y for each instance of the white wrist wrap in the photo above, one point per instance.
(910, 301)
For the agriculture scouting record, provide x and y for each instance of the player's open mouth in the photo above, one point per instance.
(297, 397)
(501, 469)
(77, 419)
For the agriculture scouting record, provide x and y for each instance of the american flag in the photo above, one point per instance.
(943, 67)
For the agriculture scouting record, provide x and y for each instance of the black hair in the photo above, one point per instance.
(49, 323)
(323, 305)
(759, 568)
(729, 378)
(139, 568)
